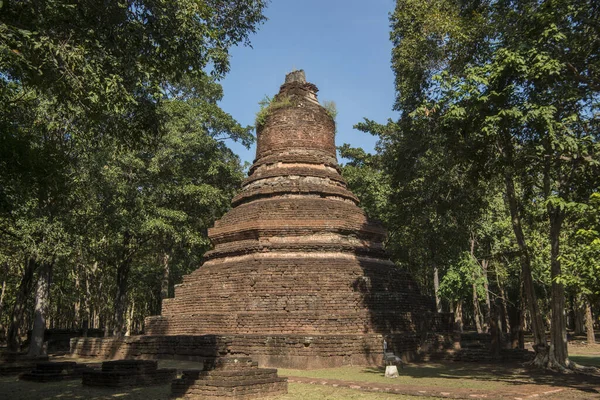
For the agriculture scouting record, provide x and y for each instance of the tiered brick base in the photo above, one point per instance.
(55, 371)
(229, 378)
(128, 373)
(298, 276)
(18, 363)
(285, 351)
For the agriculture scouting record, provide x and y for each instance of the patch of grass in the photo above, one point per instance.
(432, 375)
(268, 105)
(592, 361)
(14, 389)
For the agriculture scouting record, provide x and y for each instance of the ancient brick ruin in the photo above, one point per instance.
(298, 276)
(123, 373)
(229, 378)
(49, 371)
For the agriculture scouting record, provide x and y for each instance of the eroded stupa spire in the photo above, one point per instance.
(296, 255)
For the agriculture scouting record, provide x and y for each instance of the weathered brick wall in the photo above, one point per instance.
(297, 256)
(284, 351)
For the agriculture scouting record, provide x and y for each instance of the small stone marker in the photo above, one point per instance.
(391, 371)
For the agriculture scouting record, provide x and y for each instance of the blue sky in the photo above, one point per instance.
(342, 45)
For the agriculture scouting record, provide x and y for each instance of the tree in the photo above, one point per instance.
(510, 90)
(78, 80)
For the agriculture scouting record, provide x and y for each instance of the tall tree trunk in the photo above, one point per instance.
(121, 297)
(458, 316)
(42, 297)
(505, 316)
(476, 310)
(537, 324)
(589, 323)
(87, 306)
(129, 324)
(2, 327)
(487, 311)
(559, 355)
(123, 269)
(436, 288)
(4, 276)
(16, 319)
(522, 315)
(164, 283)
(578, 315)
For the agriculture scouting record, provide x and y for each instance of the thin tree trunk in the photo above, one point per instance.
(539, 335)
(559, 355)
(129, 323)
(505, 318)
(436, 288)
(2, 328)
(42, 297)
(123, 269)
(164, 283)
(487, 311)
(458, 316)
(121, 297)
(2, 294)
(495, 331)
(522, 315)
(476, 310)
(589, 323)
(16, 319)
(578, 315)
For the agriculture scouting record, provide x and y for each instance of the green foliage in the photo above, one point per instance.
(366, 179)
(458, 280)
(268, 105)
(331, 108)
(490, 92)
(111, 143)
(582, 261)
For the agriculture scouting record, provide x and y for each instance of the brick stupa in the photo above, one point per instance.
(298, 276)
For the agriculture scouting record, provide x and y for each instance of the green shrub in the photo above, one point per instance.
(269, 104)
(331, 108)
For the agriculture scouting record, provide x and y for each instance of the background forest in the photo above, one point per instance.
(113, 160)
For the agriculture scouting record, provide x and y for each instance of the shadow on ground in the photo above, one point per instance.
(14, 389)
(510, 374)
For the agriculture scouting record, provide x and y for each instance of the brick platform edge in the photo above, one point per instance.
(277, 351)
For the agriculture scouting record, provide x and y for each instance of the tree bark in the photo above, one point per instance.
(537, 324)
(578, 315)
(4, 275)
(123, 269)
(42, 297)
(436, 288)
(589, 323)
(505, 318)
(559, 355)
(16, 319)
(458, 322)
(476, 310)
(487, 311)
(164, 284)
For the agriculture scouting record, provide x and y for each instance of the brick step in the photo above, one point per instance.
(229, 377)
(121, 373)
